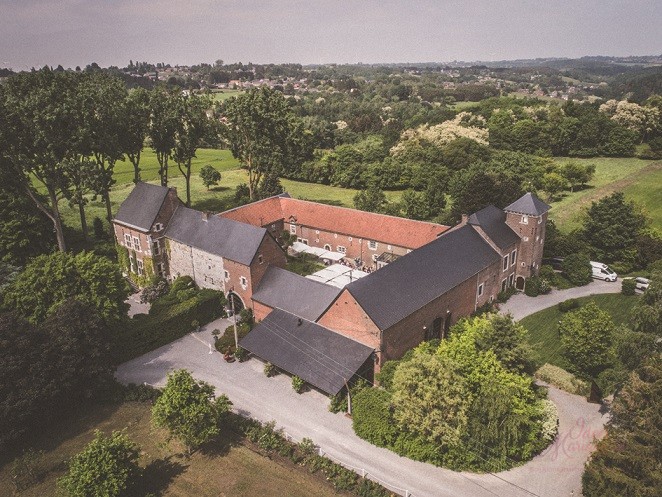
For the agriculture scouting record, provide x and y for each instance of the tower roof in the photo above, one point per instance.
(529, 205)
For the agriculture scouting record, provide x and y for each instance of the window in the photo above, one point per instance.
(158, 227)
(513, 257)
(505, 262)
(388, 247)
(511, 279)
(156, 249)
(539, 220)
(244, 282)
(503, 285)
(317, 232)
(335, 235)
(374, 257)
(526, 238)
(327, 247)
(349, 238)
(273, 227)
(341, 249)
(302, 240)
(372, 245)
(293, 229)
(226, 275)
(525, 220)
(141, 267)
(127, 239)
(480, 290)
(259, 259)
(136, 243)
(132, 264)
(161, 269)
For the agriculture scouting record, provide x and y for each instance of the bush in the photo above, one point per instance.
(532, 286)
(628, 286)
(562, 379)
(226, 342)
(371, 417)
(270, 370)
(241, 354)
(298, 384)
(385, 375)
(155, 291)
(568, 305)
(550, 421)
(502, 297)
(167, 325)
(100, 232)
(577, 268)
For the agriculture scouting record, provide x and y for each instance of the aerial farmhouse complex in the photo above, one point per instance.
(418, 278)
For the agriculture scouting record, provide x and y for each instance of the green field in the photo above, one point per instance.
(543, 325)
(225, 468)
(223, 95)
(640, 179)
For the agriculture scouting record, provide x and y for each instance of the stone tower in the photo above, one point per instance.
(527, 217)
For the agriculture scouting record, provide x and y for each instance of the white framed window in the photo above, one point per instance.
(480, 290)
(511, 279)
(327, 247)
(526, 238)
(541, 239)
(374, 257)
(127, 239)
(505, 262)
(303, 240)
(158, 227)
(523, 264)
(136, 243)
(524, 220)
(226, 275)
(372, 245)
(341, 249)
(537, 237)
(317, 232)
(260, 259)
(156, 248)
(513, 257)
(244, 282)
(141, 267)
(388, 247)
(273, 227)
(539, 220)
(349, 238)
(335, 235)
(132, 264)
(161, 269)
(504, 284)
(293, 229)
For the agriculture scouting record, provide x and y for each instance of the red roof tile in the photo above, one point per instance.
(368, 225)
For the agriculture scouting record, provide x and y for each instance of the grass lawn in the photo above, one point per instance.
(224, 468)
(611, 174)
(223, 95)
(303, 265)
(543, 326)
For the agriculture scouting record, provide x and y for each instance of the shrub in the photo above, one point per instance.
(577, 268)
(226, 342)
(27, 470)
(562, 379)
(246, 316)
(568, 305)
(628, 286)
(544, 286)
(298, 384)
(371, 416)
(502, 297)
(385, 375)
(100, 232)
(241, 354)
(532, 286)
(270, 370)
(156, 290)
(549, 427)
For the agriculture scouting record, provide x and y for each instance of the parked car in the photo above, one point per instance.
(642, 283)
(555, 262)
(602, 272)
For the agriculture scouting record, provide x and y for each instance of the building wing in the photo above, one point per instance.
(141, 207)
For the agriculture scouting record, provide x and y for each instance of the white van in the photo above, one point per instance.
(602, 272)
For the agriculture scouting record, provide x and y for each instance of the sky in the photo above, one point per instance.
(34, 33)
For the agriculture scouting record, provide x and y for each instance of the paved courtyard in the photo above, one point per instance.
(557, 472)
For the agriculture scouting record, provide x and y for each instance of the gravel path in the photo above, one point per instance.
(520, 306)
(557, 472)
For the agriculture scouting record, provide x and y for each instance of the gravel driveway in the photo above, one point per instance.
(520, 306)
(557, 472)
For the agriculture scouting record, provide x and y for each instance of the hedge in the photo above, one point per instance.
(371, 416)
(170, 323)
(562, 379)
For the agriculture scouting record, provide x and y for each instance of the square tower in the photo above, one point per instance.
(527, 217)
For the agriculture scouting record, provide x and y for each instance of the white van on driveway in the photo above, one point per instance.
(602, 272)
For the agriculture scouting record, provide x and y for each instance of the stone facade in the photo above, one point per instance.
(531, 230)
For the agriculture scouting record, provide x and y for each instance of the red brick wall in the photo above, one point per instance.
(260, 311)
(270, 254)
(532, 244)
(348, 318)
(233, 283)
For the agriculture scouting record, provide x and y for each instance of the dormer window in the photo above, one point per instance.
(158, 227)
(293, 229)
(372, 245)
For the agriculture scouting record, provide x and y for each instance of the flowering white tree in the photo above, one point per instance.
(643, 120)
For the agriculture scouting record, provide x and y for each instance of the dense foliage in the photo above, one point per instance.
(188, 409)
(107, 467)
(49, 280)
(46, 368)
(465, 403)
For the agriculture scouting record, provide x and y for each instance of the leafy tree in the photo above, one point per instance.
(264, 134)
(372, 199)
(611, 227)
(193, 126)
(163, 123)
(137, 122)
(107, 467)
(209, 176)
(577, 268)
(49, 366)
(415, 205)
(586, 338)
(626, 462)
(646, 315)
(371, 416)
(50, 280)
(24, 230)
(577, 174)
(269, 186)
(553, 183)
(188, 410)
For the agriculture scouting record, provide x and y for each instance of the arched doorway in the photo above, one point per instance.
(519, 283)
(235, 302)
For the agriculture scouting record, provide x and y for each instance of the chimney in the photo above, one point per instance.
(205, 215)
(465, 219)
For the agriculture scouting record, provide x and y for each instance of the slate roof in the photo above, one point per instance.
(315, 354)
(142, 206)
(230, 239)
(529, 205)
(396, 291)
(360, 224)
(493, 221)
(303, 297)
